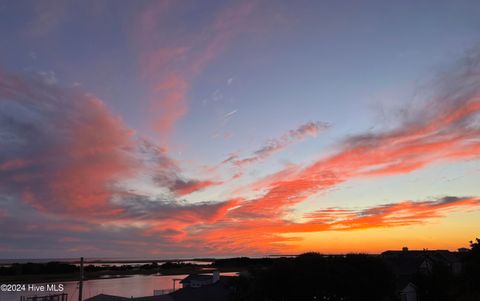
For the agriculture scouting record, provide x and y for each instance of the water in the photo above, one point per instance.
(132, 286)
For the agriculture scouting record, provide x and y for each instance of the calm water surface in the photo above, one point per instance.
(133, 286)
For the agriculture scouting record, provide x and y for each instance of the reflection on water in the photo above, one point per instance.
(133, 286)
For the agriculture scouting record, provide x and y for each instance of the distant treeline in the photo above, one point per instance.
(38, 268)
(243, 262)
(65, 268)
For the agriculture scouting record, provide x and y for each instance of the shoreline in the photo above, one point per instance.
(107, 274)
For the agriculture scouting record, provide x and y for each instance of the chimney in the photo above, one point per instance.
(405, 249)
(216, 276)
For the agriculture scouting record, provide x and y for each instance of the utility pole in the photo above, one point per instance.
(80, 284)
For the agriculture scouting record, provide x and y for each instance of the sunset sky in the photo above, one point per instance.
(224, 128)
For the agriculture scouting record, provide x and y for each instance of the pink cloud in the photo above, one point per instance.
(78, 149)
(184, 188)
(13, 164)
(170, 103)
(170, 62)
(72, 156)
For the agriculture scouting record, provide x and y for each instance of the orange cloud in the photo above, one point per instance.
(266, 234)
(390, 215)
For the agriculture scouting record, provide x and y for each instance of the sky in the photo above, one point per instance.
(167, 129)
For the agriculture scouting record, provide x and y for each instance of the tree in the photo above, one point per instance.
(472, 266)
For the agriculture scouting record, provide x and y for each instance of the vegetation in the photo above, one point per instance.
(242, 262)
(312, 276)
(469, 282)
(38, 268)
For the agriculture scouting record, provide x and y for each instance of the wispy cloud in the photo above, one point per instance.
(389, 215)
(230, 113)
(275, 145)
(172, 63)
(48, 16)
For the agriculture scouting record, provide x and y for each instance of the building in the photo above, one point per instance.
(411, 261)
(406, 263)
(199, 280)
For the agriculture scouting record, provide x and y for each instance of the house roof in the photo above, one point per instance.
(409, 259)
(409, 288)
(448, 256)
(197, 277)
(405, 265)
(154, 298)
(104, 297)
(218, 291)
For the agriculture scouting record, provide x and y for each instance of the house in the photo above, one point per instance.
(406, 263)
(199, 280)
(450, 259)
